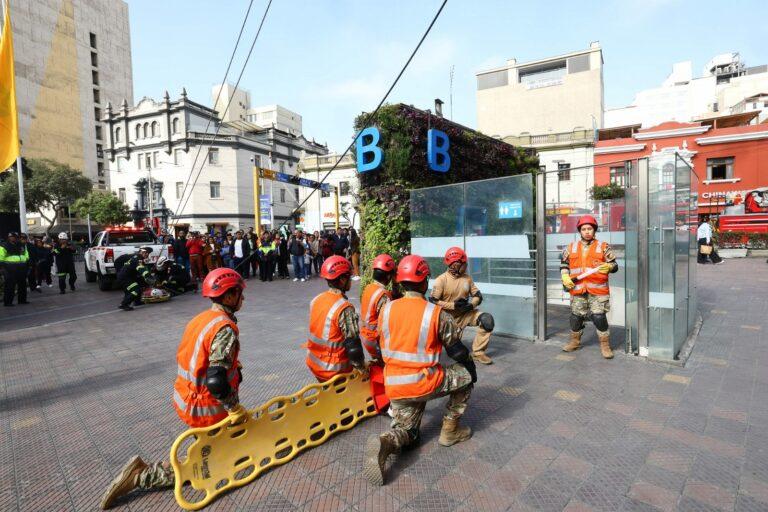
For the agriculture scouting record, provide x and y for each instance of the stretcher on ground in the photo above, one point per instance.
(212, 460)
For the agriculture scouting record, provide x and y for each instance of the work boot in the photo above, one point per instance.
(574, 343)
(377, 450)
(125, 482)
(452, 433)
(482, 358)
(605, 346)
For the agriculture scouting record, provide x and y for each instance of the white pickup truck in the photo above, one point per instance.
(112, 243)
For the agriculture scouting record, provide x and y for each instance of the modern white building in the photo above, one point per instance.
(319, 211)
(265, 116)
(553, 105)
(727, 86)
(200, 180)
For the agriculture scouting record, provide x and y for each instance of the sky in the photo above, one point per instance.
(329, 60)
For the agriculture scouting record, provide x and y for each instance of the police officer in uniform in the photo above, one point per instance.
(133, 277)
(414, 332)
(207, 382)
(456, 292)
(374, 297)
(590, 295)
(14, 259)
(333, 346)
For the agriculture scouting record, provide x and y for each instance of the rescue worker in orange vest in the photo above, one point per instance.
(333, 346)
(414, 333)
(590, 294)
(207, 381)
(455, 292)
(375, 296)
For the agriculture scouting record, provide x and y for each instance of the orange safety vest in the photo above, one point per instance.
(369, 317)
(326, 356)
(410, 345)
(195, 405)
(580, 260)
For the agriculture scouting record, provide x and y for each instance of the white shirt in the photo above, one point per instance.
(704, 231)
(239, 248)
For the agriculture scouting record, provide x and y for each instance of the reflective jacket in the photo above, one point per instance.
(369, 317)
(13, 254)
(326, 356)
(581, 260)
(410, 345)
(194, 404)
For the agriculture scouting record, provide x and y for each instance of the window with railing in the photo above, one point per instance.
(618, 175)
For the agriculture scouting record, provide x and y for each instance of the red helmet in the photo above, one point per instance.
(384, 262)
(334, 267)
(218, 281)
(455, 254)
(413, 269)
(587, 219)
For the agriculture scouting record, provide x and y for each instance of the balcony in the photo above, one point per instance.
(550, 140)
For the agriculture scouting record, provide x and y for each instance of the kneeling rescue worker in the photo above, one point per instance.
(455, 292)
(414, 332)
(172, 276)
(333, 346)
(375, 296)
(133, 277)
(207, 382)
(590, 295)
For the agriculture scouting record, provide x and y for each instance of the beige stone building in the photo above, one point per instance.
(556, 94)
(72, 57)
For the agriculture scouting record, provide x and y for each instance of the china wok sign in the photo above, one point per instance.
(370, 155)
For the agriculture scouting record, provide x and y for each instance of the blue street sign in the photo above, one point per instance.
(510, 209)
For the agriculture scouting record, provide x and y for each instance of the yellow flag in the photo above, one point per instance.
(9, 121)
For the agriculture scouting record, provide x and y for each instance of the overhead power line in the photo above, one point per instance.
(226, 109)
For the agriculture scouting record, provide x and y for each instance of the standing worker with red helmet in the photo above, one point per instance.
(455, 291)
(207, 382)
(375, 296)
(333, 346)
(593, 260)
(414, 333)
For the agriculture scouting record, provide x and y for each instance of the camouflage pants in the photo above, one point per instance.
(588, 304)
(157, 476)
(407, 412)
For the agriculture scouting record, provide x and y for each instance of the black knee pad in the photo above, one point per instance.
(485, 320)
(600, 321)
(577, 322)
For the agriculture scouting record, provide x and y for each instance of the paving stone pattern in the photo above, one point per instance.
(78, 398)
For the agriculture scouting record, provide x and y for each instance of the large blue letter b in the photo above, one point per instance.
(368, 153)
(437, 150)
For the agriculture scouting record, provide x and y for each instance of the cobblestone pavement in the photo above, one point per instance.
(553, 431)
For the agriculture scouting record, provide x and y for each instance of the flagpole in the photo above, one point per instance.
(22, 203)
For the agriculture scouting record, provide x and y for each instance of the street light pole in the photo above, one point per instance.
(151, 191)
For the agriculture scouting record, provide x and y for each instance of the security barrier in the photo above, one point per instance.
(212, 460)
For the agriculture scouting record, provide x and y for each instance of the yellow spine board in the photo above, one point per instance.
(213, 460)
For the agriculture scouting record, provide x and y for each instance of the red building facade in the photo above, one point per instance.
(731, 162)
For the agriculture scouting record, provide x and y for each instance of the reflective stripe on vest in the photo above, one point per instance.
(324, 341)
(327, 366)
(411, 378)
(582, 259)
(190, 375)
(370, 309)
(195, 410)
(421, 356)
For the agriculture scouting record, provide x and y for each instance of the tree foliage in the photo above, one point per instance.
(384, 196)
(103, 207)
(49, 186)
(610, 191)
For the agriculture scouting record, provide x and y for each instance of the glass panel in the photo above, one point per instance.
(493, 221)
(661, 256)
(499, 217)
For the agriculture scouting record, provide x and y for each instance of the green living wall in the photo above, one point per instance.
(384, 197)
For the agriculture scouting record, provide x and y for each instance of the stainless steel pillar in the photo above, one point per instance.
(642, 256)
(541, 257)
